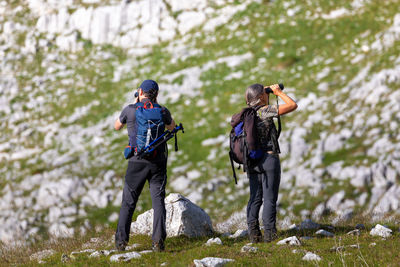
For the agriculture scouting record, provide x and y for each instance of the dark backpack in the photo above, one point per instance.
(243, 139)
(148, 127)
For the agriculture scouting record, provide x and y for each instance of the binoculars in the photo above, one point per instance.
(269, 90)
(136, 94)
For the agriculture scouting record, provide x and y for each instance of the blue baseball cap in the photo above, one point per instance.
(148, 85)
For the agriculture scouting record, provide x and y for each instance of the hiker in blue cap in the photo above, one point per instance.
(146, 120)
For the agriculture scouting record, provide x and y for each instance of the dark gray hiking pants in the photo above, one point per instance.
(264, 184)
(137, 174)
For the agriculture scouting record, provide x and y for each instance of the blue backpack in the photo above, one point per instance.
(148, 127)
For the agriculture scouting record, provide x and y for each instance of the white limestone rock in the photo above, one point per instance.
(239, 234)
(146, 251)
(311, 257)
(248, 248)
(125, 257)
(323, 232)
(389, 202)
(41, 255)
(86, 251)
(380, 230)
(319, 211)
(132, 247)
(334, 202)
(99, 253)
(212, 262)
(291, 241)
(60, 230)
(95, 254)
(183, 218)
(355, 232)
(214, 241)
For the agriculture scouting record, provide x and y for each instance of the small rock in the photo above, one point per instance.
(65, 258)
(125, 257)
(95, 240)
(98, 228)
(239, 234)
(293, 227)
(322, 232)
(73, 253)
(373, 244)
(108, 252)
(296, 251)
(211, 262)
(132, 247)
(146, 252)
(216, 241)
(337, 249)
(311, 257)
(247, 248)
(164, 264)
(308, 224)
(305, 238)
(330, 227)
(291, 241)
(95, 254)
(380, 230)
(355, 232)
(41, 255)
(355, 246)
(360, 226)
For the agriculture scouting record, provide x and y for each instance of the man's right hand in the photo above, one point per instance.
(118, 125)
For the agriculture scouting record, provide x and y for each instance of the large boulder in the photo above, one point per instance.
(183, 218)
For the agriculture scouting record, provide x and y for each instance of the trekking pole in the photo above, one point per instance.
(167, 135)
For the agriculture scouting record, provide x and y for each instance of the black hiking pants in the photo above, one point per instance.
(264, 184)
(137, 174)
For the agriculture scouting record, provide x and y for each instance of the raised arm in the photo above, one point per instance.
(289, 105)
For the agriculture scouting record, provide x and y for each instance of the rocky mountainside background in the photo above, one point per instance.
(69, 67)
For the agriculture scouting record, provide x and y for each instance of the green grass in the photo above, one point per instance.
(181, 251)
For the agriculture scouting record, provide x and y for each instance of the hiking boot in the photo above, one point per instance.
(255, 235)
(158, 246)
(120, 245)
(270, 235)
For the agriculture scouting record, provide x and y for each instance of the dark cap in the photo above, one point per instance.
(148, 85)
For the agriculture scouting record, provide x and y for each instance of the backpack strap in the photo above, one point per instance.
(139, 105)
(176, 142)
(148, 105)
(279, 119)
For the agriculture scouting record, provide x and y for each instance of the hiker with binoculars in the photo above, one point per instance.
(254, 143)
(147, 152)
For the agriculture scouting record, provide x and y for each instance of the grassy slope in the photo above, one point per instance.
(181, 251)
